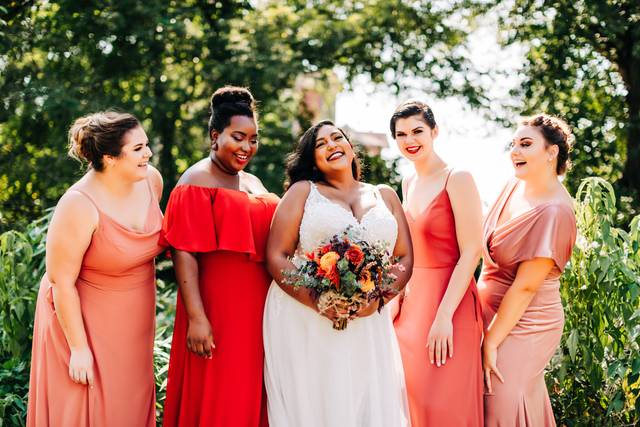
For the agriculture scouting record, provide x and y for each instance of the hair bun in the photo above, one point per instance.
(81, 139)
(231, 95)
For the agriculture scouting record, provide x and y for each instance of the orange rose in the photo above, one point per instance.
(354, 254)
(366, 284)
(328, 261)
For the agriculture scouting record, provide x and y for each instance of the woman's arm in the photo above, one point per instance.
(529, 277)
(467, 211)
(69, 235)
(283, 240)
(199, 333)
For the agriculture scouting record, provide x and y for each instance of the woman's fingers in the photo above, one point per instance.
(450, 345)
(487, 379)
(431, 348)
(438, 352)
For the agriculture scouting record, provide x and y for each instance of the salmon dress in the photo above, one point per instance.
(227, 230)
(117, 291)
(450, 395)
(547, 231)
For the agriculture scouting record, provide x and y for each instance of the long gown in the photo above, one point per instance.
(228, 230)
(116, 286)
(450, 395)
(320, 377)
(549, 231)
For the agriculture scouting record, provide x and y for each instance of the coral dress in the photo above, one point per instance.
(227, 230)
(548, 231)
(116, 286)
(450, 395)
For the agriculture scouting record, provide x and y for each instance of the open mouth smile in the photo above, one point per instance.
(335, 156)
(413, 149)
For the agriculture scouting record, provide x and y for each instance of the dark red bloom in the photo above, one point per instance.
(355, 255)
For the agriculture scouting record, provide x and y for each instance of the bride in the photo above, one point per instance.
(316, 375)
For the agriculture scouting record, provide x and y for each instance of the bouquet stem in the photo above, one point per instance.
(340, 324)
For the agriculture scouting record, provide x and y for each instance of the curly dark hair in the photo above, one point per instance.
(556, 132)
(229, 101)
(412, 108)
(301, 164)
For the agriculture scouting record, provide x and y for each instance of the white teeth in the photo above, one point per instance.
(413, 150)
(335, 155)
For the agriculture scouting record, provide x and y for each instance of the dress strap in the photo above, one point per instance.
(88, 196)
(446, 181)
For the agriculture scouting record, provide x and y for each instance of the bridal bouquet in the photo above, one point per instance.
(346, 272)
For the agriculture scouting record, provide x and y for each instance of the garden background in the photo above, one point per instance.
(161, 60)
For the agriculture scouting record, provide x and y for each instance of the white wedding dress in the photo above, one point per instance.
(317, 376)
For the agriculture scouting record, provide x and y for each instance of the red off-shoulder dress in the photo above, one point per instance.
(227, 230)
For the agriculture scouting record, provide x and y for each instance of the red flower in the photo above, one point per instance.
(334, 277)
(355, 255)
(326, 248)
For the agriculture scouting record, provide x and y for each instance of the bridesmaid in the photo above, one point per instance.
(92, 360)
(439, 324)
(529, 234)
(217, 222)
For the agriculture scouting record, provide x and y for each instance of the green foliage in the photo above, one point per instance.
(21, 267)
(594, 379)
(582, 64)
(161, 60)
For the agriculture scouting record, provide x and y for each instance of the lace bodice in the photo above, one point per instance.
(323, 218)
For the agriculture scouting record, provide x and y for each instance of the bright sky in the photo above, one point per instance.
(467, 140)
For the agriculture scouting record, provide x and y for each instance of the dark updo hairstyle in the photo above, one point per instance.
(412, 108)
(556, 132)
(229, 101)
(99, 134)
(301, 164)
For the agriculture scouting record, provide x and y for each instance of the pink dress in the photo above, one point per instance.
(450, 395)
(546, 231)
(117, 291)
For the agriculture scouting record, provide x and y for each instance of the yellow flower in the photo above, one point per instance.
(328, 261)
(366, 284)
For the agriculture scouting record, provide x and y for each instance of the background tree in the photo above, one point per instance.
(583, 63)
(161, 60)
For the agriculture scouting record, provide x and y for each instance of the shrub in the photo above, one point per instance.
(594, 376)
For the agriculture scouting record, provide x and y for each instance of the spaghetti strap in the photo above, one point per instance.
(446, 181)
(88, 196)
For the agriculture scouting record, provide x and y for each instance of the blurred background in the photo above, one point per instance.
(481, 65)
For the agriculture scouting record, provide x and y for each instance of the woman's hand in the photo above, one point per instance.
(440, 340)
(366, 309)
(81, 366)
(200, 337)
(489, 364)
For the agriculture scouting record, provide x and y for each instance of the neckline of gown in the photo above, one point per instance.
(231, 190)
(410, 216)
(349, 211)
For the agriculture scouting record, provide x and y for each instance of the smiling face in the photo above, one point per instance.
(414, 137)
(236, 144)
(531, 155)
(133, 161)
(333, 152)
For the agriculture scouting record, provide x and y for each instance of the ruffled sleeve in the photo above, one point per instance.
(200, 219)
(552, 235)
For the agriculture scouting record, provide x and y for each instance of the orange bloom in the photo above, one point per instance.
(334, 277)
(354, 254)
(328, 261)
(366, 284)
